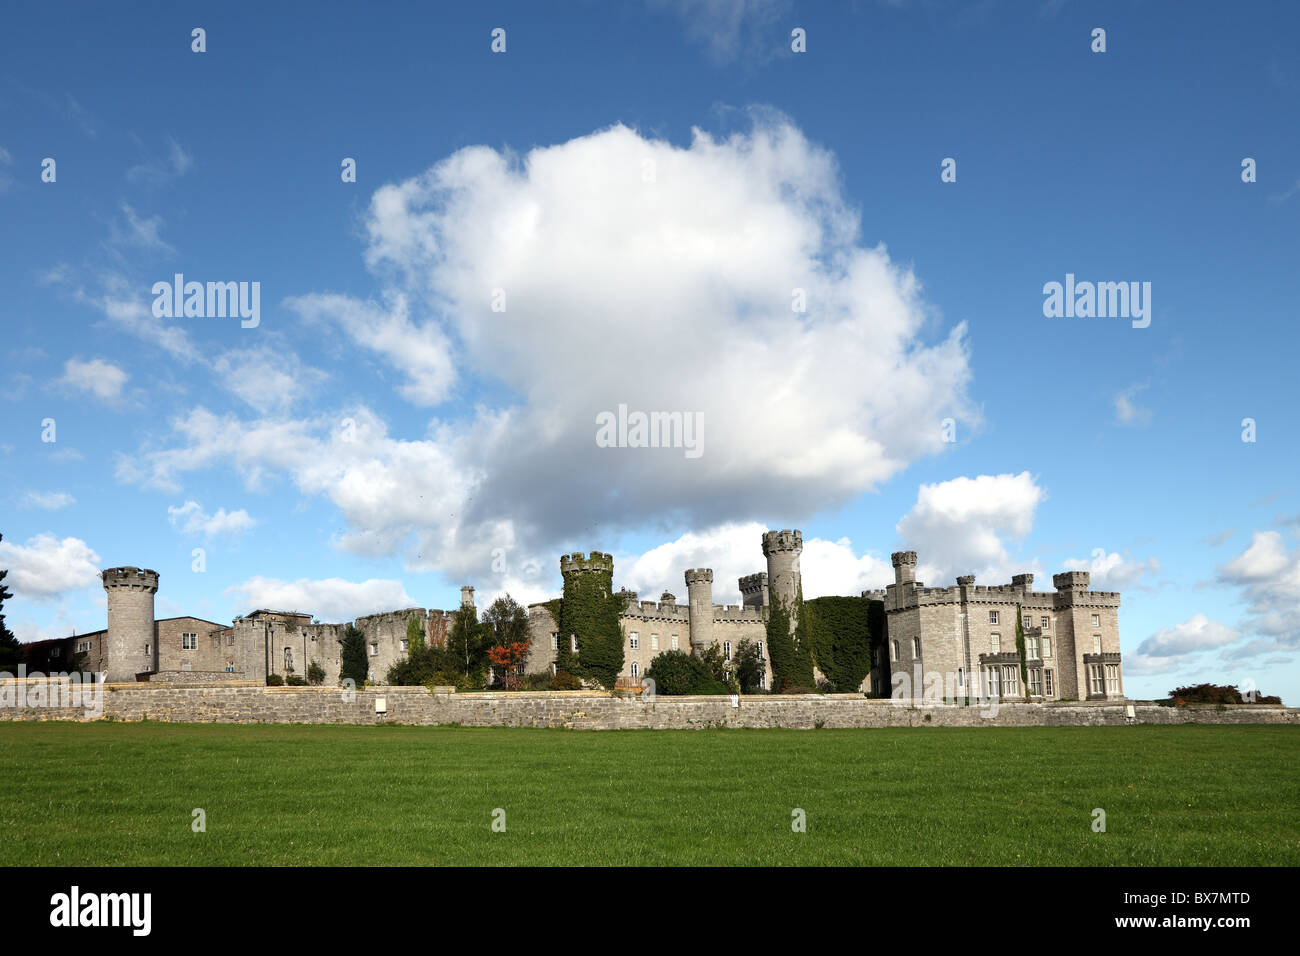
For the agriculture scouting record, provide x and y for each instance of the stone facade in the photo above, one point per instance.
(943, 643)
(959, 642)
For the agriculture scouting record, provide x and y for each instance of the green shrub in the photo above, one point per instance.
(274, 680)
(563, 680)
(296, 680)
(315, 673)
(676, 673)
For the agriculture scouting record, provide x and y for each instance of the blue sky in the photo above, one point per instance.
(382, 436)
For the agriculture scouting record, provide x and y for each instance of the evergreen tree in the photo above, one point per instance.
(465, 643)
(11, 652)
(355, 664)
(1020, 649)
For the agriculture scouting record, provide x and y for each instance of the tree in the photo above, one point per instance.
(507, 660)
(505, 627)
(355, 663)
(749, 667)
(11, 652)
(465, 643)
(1020, 649)
(315, 673)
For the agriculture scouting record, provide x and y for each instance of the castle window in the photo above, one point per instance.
(995, 641)
(146, 650)
(762, 680)
(189, 641)
(1036, 681)
(405, 644)
(1047, 682)
(1031, 647)
(759, 645)
(1096, 680)
(633, 642)
(1096, 643)
(1112, 679)
(374, 650)
(231, 640)
(1046, 623)
(58, 651)
(1011, 680)
(654, 642)
(961, 680)
(674, 642)
(573, 643)
(916, 647)
(726, 650)
(993, 682)
(636, 669)
(1047, 646)
(555, 640)
(993, 617)
(1096, 620)
(895, 650)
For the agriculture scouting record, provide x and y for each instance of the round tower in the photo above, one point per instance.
(782, 550)
(699, 585)
(466, 595)
(131, 647)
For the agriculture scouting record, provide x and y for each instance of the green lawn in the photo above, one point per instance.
(123, 793)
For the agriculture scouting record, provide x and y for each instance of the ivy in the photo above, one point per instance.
(843, 639)
(590, 612)
(790, 652)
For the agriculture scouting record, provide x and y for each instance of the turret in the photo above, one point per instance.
(466, 595)
(131, 646)
(904, 567)
(1024, 582)
(699, 586)
(782, 550)
(1071, 581)
(753, 590)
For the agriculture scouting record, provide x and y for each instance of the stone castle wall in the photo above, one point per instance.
(247, 702)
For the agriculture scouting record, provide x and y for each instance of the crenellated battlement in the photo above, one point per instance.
(579, 563)
(785, 540)
(699, 576)
(130, 577)
(753, 583)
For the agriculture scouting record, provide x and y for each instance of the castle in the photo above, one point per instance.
(941, 642)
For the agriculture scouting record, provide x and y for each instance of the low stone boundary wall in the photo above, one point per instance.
(248, 702)
(194, 677)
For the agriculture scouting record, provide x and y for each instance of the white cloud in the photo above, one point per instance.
(139, 232)
(47, 567)
(328, 599)
(99, 377)
(190, 518)
(268, 379)
(1111, 572)
(961, 526)
(1127, 410)
(590, 257)
(732, 29)
(48, 500)
(1268, 578)
(420, 351)
(1197, 633)
(158, 170)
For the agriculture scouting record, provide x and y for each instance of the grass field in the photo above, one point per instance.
(115, 793)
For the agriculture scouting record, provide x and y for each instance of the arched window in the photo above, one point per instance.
(636, 669)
